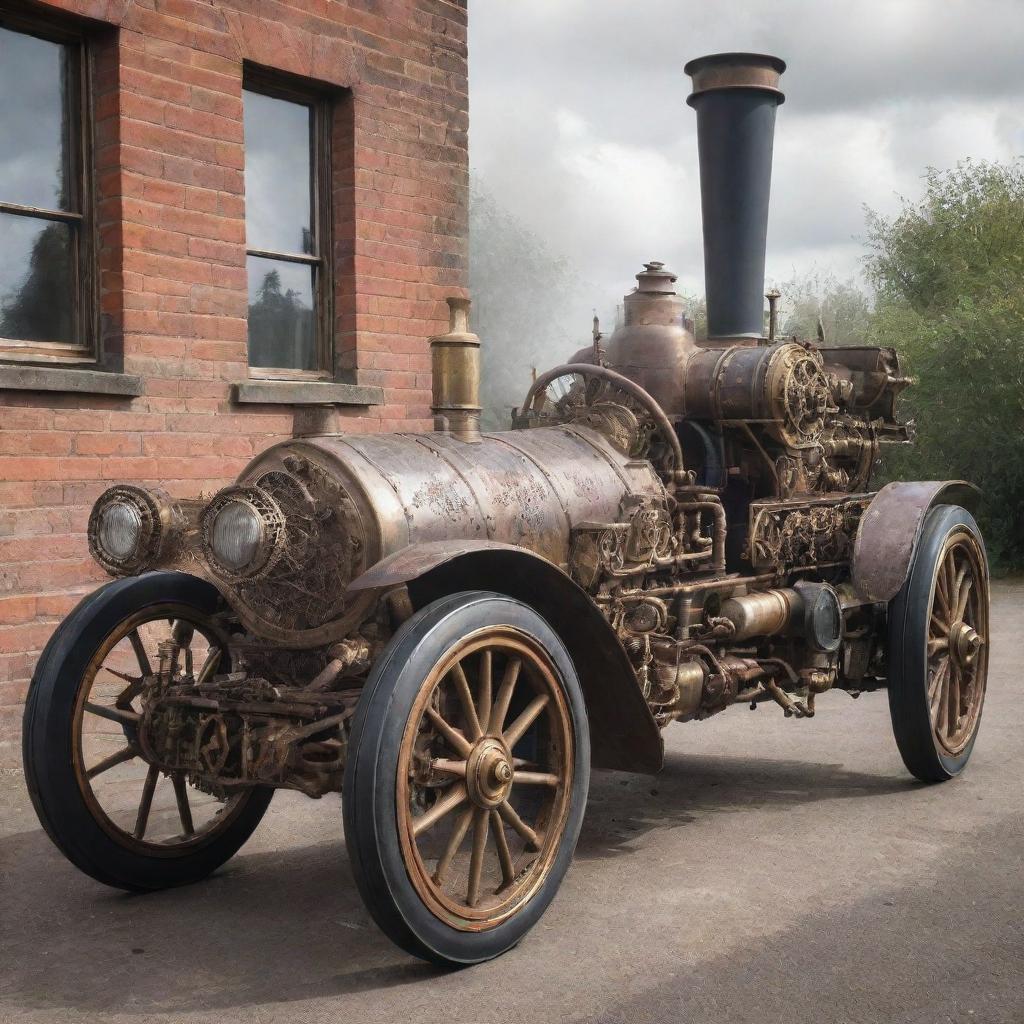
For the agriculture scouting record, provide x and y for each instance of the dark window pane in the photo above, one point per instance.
(34, 122)
(36, 280)
(277, 174)
(281, 314)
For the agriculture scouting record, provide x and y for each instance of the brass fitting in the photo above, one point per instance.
(764, 613)
(455, 368)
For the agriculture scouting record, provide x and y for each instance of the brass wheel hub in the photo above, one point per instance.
(489, 773)
(964, 642)
(479, 829)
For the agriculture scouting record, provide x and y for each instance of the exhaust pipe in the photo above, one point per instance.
(455, 374)
(735, 96)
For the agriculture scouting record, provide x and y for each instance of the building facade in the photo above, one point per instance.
(212, 214)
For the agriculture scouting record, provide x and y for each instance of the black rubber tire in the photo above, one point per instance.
(47, 742)
(909, 614)
(369, 793)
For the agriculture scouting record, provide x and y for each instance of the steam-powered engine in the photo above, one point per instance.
(705, 495)
(671, 526)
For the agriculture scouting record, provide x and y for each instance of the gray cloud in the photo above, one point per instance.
(579, 125)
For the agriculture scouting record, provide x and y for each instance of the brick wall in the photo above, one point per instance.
(169, 160)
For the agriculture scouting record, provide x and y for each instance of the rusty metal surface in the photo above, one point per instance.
(889, 529)
(655, 339)
(527, 488)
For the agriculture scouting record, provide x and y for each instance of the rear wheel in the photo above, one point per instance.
(107, 808)
(938, 647)
(467, 778)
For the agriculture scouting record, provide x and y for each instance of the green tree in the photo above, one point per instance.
(844, 309)
(949, 277)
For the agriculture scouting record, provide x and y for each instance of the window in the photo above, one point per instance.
(45, 241)
(287, 190)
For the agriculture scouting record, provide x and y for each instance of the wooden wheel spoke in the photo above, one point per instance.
(458, 768)
(512, 819)
(963, 594)
(130, 692)
(455, 796)
(455, 739)
(486, 667)
(953, 699)
(184, 810)
(113, 714)
(935, 684)
(535, 779)
(508, 871)
(119, 757)
(937, 644)
(940, 626)
(936, 688)
(941, 597)
(948, 574)
(146, 802)
(466, 697)
(122, 675)
(140, 652)
(459, 831)
(481, 822)
(504, 698)
(514, 733)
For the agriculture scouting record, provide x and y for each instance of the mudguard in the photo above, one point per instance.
(890, 528)
(623, 733)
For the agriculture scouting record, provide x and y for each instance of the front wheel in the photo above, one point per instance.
(109, 810)
(938, 647)
(466, 778)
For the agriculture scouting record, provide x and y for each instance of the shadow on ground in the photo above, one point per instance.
(282, 926)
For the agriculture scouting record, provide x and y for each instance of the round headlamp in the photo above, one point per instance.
(125, 529)
(242, 531)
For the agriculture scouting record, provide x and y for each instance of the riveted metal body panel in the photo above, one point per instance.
(528, 488)
(890, 527)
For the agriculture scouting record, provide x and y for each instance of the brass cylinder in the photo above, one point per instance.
(455, 370)
(765, 613)
(686, 681)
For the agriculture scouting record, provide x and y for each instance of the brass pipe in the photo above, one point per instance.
(455, 373)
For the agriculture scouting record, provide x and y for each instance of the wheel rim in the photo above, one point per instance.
(145, 810)
(957, 642)
(479, 822)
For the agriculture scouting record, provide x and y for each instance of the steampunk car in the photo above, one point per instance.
(449, 628)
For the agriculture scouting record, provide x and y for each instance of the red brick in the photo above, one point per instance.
(169, 161)
(21, 608)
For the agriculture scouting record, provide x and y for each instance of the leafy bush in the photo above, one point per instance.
(949, 277)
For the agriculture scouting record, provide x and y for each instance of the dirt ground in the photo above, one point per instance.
(777, 870)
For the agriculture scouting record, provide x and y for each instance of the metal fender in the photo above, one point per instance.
(624, 735)
(890, 527)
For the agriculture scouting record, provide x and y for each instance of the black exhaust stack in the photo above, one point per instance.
(735, 96)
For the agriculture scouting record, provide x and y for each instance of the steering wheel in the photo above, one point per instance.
(588, 393)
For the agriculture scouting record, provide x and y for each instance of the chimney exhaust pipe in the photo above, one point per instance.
(735, 96)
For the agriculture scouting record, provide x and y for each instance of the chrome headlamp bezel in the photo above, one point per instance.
(148, 509)
(270, 545)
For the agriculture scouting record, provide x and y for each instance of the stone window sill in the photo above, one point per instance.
(58, 378)
(301, 392)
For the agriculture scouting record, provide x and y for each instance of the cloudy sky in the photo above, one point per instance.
(579, 125)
